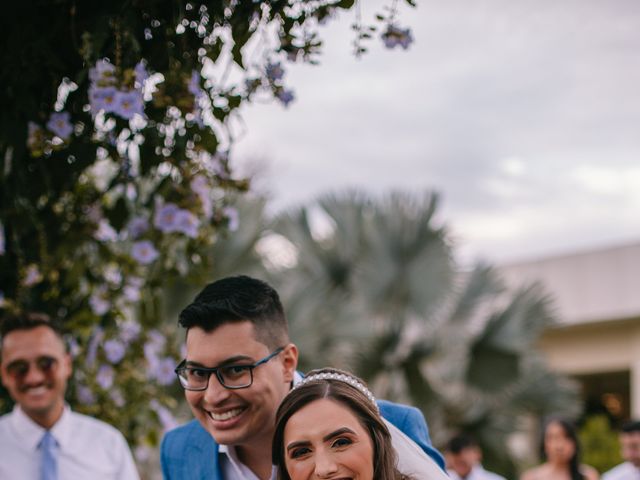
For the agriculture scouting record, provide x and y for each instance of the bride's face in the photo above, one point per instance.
(325, 440)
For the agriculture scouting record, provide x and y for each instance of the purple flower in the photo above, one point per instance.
(395, 36)
(102, 71)
(194, 84)
(285, 96)
(105, 232)
(144, 252)
(85, 395)
(132, 289)
(142, 453)
(187, 223)
(274, 71)
(201, 187)
(163, 371)
(72, 345)
(167, 420)
(165, 218)
(105, 377)
(155, 344)
(127, 104)
(156, 338)
(99, 302)
(137, 226)
(32, 276)
(113, 275)
(232, 217)
(92, 348)
(60, 125)
(141, 73)
(116, 396)
(114, 350)
(102, 98)
(129, 331)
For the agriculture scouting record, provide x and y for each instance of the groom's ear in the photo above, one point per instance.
(289, 361)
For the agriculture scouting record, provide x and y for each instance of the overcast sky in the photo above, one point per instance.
(524, 115)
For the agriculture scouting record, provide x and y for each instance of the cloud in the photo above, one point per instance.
(523, 115)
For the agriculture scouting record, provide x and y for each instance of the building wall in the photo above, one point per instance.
(597, 296)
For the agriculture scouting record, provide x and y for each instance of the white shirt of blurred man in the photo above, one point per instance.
(630, 446)
(464, 457)
(35, 367)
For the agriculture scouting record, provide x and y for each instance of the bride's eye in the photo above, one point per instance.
(341, 442)
(299, 452)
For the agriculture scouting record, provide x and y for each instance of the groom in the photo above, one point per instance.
(239, 366)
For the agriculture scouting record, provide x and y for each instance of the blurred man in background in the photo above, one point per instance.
(464, 457)
(42, 438)
(630, 446)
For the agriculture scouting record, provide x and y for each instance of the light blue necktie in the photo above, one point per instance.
(49, 465)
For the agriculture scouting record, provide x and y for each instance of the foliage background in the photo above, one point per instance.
(115, 185)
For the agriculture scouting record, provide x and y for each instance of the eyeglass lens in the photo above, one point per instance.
(20, 368)
(230, 376)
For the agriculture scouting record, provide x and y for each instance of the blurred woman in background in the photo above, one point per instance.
(560, 451)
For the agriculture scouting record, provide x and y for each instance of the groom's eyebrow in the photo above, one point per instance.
(225, 362)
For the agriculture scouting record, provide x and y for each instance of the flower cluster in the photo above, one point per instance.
(132, 184)
(57, 134)
(108, 94)
(170, 218)
(394, 36)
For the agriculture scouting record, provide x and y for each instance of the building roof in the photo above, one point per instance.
(593, 286)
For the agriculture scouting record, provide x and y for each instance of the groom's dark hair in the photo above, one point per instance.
(237, 299)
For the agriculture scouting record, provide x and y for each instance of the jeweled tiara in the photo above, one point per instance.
(341, 377)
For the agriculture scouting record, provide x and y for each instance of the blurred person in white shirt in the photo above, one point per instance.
(42, 437)
(630, 449)
(464, 460)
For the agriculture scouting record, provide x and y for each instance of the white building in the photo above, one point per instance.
(597, 294)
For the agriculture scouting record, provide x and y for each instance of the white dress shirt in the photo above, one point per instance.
(624, 471)
(89, 448)
(477, 473)
(231, 466)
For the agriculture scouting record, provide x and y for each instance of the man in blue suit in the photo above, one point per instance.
(237, 332)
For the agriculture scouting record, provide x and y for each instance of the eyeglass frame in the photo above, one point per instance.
(183, 367)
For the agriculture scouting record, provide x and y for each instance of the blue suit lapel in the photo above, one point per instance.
(202, 458)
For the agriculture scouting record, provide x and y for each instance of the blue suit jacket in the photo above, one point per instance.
(189, 452)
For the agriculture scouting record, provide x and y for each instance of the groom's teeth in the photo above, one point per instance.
(225, 415)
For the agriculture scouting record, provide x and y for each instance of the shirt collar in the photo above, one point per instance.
(31, 433)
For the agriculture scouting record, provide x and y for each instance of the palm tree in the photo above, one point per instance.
(375, 289)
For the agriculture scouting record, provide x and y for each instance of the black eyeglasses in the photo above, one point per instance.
(229, 376)
(20, 368)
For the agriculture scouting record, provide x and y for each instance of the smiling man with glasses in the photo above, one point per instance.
(42, 437)
(239, 365)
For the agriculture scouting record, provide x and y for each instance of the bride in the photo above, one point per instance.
(329, 426)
